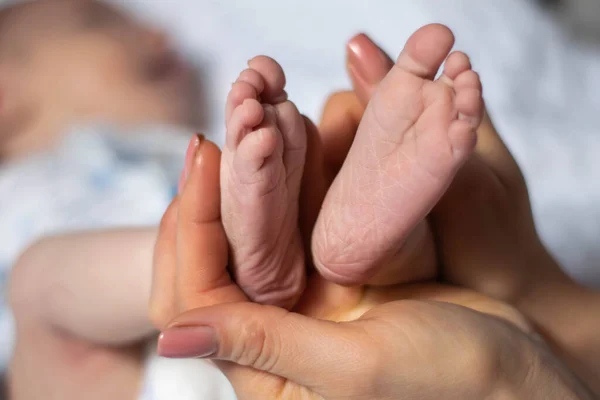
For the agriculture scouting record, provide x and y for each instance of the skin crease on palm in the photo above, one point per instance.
(180, 286)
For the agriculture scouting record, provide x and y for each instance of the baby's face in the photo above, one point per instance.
(85, 59)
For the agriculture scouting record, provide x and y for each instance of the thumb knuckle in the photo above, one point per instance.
(258, 345)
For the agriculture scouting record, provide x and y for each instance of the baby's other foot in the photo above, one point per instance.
(261, 171)
(415, 134)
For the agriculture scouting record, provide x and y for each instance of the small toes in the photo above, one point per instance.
(254, 148)
(291, 124)
(253, 78)
(463, 139)
(239, 92)
(457, 63)
(273, 77)
(468, 80)
(270, 122)
(469, 105)
(245, 117)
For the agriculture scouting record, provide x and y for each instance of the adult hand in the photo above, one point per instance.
(358, 359)
(485, 237)
(382, 351)
(442, 342)
(473, 213)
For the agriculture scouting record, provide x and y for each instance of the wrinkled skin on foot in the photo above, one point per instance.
(261, 172)
(414, 135)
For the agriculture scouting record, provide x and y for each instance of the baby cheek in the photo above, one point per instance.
(111, 78)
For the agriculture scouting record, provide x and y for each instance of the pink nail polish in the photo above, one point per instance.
(187, 342)
(367, 59)
(354, 56)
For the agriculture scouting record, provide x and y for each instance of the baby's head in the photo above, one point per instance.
(67, 60)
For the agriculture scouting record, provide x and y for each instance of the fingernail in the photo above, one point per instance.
(187, 342)
(366, 59)
(356, 57)
(190, 155)
(199, 156)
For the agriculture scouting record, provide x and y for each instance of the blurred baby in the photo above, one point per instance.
(77, 79)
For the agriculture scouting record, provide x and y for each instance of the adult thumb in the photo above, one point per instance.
(322, 356)
(367, 65)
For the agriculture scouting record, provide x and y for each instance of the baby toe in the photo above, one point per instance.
(273, 77)
(463, 139)
(253, 78)
(468, 80)
(291, 124)
(469, 105)
(254, 148)
(426, 50)
(245, 117)
(240, 91)
(457, 63)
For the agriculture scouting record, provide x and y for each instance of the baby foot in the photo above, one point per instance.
(415, 134)
(261, 172)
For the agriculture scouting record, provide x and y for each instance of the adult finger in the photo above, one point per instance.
(473, 215)
(310, 352)
(340, 119)
(494, 153)
(162, 297)
(202, 249)
(367, 65)
(163, 306)
(348, 359)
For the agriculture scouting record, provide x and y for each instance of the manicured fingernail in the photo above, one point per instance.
(187, 342)
(366, 59)
(190, 155)
(356, 57)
